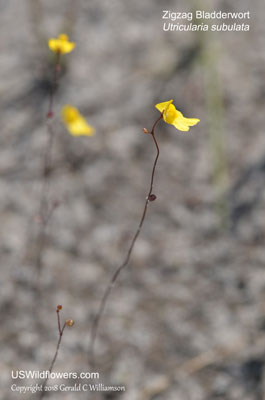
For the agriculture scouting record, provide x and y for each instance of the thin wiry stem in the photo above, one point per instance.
(45, 211)
(60, 331)
(150, 197)
(54, 84)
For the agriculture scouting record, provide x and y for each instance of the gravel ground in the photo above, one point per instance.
(187, 319)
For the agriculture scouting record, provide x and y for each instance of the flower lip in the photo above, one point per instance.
(61, 44)
(75, 122)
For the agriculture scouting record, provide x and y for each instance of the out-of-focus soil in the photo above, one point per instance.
(186, 320)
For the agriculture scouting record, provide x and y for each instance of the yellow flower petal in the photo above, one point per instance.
(192, 121)
(175, 117)
(61, 44)
(69, 114)
(67, 47)
(63, 36)
(162, 106)
(170, 114)
(182, 123)
(75, 122)
(80, 128)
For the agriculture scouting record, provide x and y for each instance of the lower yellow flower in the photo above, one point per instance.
(175, 117)
(61, 44)
(75, 122)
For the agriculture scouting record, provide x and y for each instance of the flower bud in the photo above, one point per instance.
(151, 197)
(50, 114)
(59, 307)
(70, 322)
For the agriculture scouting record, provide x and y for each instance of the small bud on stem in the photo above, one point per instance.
(151, 197)
(50, 114)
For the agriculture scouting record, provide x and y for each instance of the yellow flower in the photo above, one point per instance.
(175, 117)
(75, 122)
(61, 44)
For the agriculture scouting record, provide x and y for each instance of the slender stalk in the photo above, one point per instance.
(60, 331)
(45, 212)
(54, 84)
(59, 322)
(150, 197)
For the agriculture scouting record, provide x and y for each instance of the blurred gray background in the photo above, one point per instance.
(187, 319)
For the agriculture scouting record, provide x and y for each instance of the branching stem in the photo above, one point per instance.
(60, 331)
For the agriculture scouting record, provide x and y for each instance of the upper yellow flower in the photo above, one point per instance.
(61, 44)
(75, 122)
(175, 117)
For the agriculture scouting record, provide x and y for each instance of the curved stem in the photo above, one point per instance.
(150, 197)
